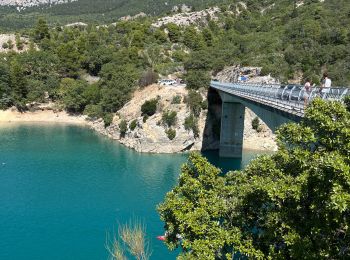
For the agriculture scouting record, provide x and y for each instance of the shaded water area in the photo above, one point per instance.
(63, 188)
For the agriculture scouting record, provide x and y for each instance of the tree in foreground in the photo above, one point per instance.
(294, 204)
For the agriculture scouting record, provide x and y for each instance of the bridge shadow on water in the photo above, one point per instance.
(231, 164)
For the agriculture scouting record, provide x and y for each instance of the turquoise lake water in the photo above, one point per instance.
(64, 188)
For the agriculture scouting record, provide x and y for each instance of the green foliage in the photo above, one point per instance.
(117, 84)
(171, 133)
(256, 123)
(144, 119)
(5, 45)
(123, 127)
(95, 112)
(18, 84)
(176, 99)
(197, 79)
(148, 78)
(204, 105)
(19, 43)
(149, 108)
(41, 30)
(290, 205)
(133, 125)
(71, 93)
(108, 119)
(194, 102)
(174, 32)
(191, 123)
(169, 118)
(10, 44)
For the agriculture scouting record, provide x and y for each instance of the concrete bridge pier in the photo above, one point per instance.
(232, 130)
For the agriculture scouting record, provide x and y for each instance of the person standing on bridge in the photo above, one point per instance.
(326, 85)
(307, 92)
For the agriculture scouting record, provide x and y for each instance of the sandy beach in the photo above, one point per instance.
(48, 116)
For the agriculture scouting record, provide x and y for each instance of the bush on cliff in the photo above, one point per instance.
(169, 118)
(191, 123)
(123, 128)
(149, 108)
(171, 133)
(194, 102)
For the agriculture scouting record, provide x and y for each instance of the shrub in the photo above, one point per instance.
(108, 119)
(123, 128)
(194, 102)
(255, 123)
(191, 123)
(148, 78)
(144, 119)
(5, 45)
(171, 133)
(149, 108)
(133, 125)
(93, 111)
(10, 44)
(176, 99)
(204, 105)
(197, 79)
(19, 43)
(179, 56)
(169, 118)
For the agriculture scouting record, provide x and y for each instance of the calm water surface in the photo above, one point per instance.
(64, 188)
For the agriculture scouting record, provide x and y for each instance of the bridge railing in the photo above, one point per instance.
(284, 96)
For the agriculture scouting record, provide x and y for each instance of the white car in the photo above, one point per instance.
(167, 82)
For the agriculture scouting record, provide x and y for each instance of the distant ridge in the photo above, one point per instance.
(32, 3)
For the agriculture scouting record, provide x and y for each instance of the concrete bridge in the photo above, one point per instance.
(275, 104)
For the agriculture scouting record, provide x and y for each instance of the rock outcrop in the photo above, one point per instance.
(250, 74)
(150, 136)
(8, 43)
(189, 18)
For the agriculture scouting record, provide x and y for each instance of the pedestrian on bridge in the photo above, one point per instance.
(307, 92)
(326, 85)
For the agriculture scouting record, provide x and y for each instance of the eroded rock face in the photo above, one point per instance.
(251, 75)
(150, 136)
(8, 43)
(189, 18)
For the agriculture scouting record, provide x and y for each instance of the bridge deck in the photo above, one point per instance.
(287, 98)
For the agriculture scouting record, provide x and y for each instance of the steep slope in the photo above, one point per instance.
(97, 11)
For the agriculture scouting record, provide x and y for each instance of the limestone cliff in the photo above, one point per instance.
(150, 136)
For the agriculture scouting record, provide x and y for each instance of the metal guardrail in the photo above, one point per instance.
(289, 98)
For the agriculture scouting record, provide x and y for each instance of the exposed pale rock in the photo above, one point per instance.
(5, 38)
(189, 18)
(31, 3)
(151, 137)
(232, 74)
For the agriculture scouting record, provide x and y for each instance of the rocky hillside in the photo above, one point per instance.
(151, 136)
(32, 3)
(8, 43)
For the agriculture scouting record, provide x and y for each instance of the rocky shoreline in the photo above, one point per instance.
(150, 136)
